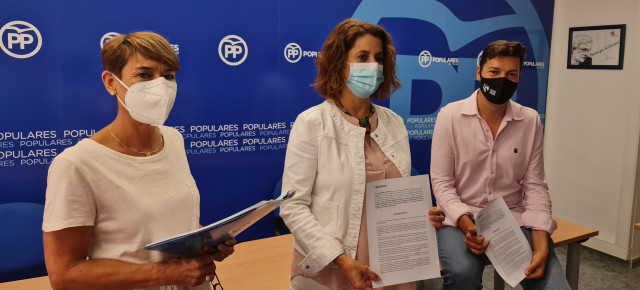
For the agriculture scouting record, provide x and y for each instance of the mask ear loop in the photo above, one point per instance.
(116, 95)
(117, 79)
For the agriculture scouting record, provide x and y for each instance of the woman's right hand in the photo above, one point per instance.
(188, 270)
(360, 276)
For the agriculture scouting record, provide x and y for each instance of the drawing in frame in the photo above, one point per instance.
(596, 47)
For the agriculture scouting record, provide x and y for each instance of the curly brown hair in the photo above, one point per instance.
(332, 59)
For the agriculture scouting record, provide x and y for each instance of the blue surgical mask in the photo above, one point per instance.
(364, 78)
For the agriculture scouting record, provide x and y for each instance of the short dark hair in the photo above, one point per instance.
(503, 48)
(332, 59)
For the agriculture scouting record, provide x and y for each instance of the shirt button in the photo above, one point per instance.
(308, 267)
(376, 135)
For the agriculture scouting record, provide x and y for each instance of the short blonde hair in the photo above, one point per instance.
(117, 51)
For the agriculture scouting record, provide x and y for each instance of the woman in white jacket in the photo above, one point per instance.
(334, 149)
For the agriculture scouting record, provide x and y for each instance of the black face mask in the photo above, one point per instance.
(497, 90)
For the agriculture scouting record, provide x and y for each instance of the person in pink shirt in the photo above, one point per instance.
(487, 147)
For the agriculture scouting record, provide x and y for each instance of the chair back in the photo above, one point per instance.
(21, 249)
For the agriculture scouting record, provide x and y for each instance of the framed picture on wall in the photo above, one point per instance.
(596, 47)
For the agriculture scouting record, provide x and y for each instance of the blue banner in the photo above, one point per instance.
(247, 67)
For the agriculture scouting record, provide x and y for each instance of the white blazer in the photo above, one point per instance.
(325, 165)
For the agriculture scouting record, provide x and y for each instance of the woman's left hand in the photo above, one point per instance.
(540, 255)
(223, 251)
(436, 217)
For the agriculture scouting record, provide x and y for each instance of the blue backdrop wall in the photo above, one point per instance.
(247, 66)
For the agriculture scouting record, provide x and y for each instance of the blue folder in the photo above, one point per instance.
(217, 233)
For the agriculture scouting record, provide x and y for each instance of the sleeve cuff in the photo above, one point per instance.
(454, 214)
(539, 221)
(319, 258)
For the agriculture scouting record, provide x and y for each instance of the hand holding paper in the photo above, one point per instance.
(475, 242)
(509, 250)
(360, 276)
(436, 217)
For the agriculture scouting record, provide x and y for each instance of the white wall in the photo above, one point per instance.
(593, 129)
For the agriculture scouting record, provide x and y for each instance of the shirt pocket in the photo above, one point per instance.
(326, 212)
(517, 158)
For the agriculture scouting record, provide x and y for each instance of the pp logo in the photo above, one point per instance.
(424, 58)
(23, 39)
(292, 52)
(233, 50)
(108, 36)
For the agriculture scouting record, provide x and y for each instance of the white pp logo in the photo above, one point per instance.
(292, 52)
(107, 37)
(424, 59)
(20, 37)
(233, 50)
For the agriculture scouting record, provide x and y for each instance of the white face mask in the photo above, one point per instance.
(150, 102)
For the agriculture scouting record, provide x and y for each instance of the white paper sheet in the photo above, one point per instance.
(509, 250)
(402, 242)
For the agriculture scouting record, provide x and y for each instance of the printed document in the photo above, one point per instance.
(402, 242)
(509, 250)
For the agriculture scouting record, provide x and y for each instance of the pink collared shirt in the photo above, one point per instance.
(469, 169)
